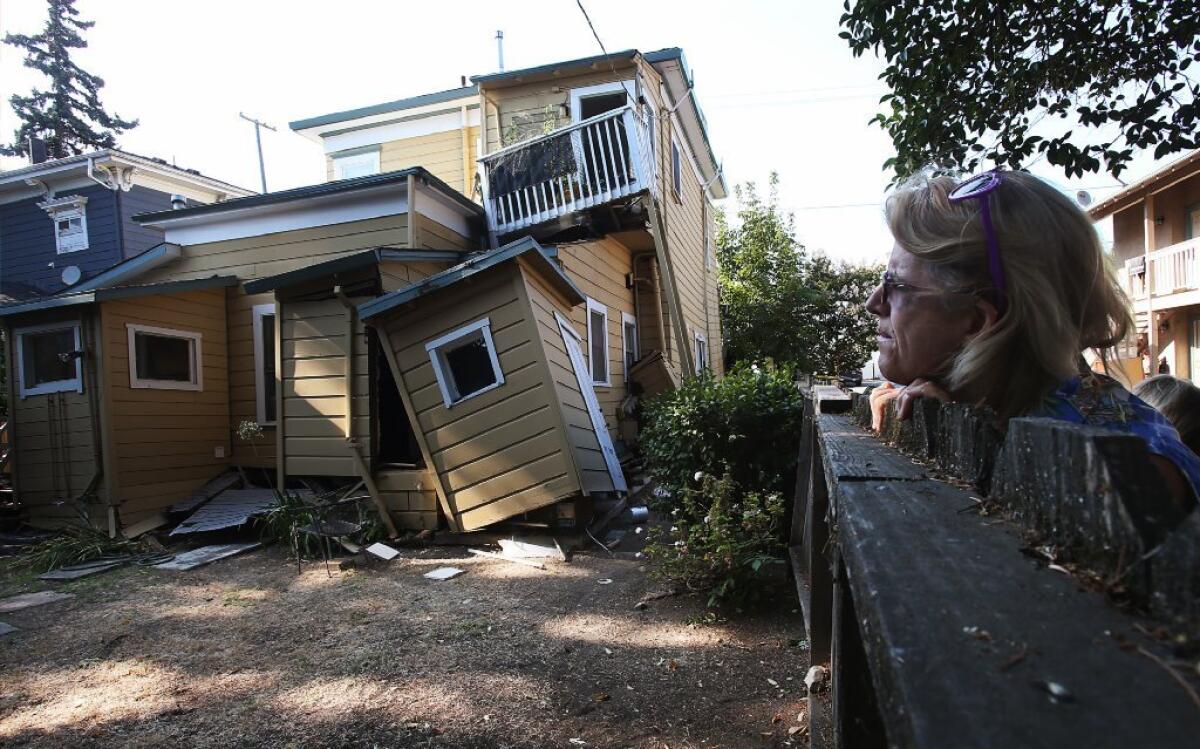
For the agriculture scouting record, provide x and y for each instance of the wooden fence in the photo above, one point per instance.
(953, 583)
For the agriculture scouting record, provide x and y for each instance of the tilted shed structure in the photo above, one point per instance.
(493, 378)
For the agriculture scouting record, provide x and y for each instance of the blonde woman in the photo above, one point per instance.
(995, 287)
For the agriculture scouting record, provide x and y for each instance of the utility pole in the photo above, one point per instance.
(258, 125)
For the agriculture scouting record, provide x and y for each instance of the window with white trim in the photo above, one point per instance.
(701, 353)
(48, 359)
(465, 362)
(164, 359)
(264, 363)
(597, 328)
(70, 230)
(629, 341)
(361, 164)
(589, 101)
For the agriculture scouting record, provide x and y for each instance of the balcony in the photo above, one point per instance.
(1173, 270)
(587, 164)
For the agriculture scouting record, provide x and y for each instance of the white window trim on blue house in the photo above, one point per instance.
(68, 209)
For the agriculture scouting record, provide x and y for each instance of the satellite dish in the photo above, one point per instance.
(1083, 198)
(71, 275)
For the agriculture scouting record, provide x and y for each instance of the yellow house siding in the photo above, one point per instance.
(54, 436)
(165, 441)
(243, 395)
(579, 432)
(599, 268)
(487, 465)
(432, 235)
(272, 254)
(313, 378)
(397, 274)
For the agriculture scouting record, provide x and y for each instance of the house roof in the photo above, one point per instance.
(524, 247)
(519, 76)
(412, 102)
(349, 263)
(1156, 181)
(73, 163)
(313, 191)
(70, 299)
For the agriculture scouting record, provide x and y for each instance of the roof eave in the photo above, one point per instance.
(1137, 192)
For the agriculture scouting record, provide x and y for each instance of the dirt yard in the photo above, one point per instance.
(246, 653)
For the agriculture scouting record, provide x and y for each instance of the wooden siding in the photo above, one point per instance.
(272, 254)
(410, 497)
(164, 441)
(395, 274)
(313, 379)
(135, 238)
(580, 435)
(599, 268)
(440, 153)
(431, 235)
(55, 436)
(499, 453)
(243, 394)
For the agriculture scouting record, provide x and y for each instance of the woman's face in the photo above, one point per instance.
(920, 328)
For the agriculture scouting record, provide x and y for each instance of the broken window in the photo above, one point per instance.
(598, 341)
(48, 359)
(164, 359)
(465, 362)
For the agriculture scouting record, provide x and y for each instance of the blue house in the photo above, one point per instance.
(64, 221)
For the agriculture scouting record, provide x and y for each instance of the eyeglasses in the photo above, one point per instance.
(890, 286)
(979, 188)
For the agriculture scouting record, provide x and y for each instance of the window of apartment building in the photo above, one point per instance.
(164, 359)
(597, 327)
(1192, 222)
(264, 363)
(465, 362)
(676, 171)
(629, 341)
(357, 163)
(48, 359)
(70, 230)
(701, 353)
(589, 101)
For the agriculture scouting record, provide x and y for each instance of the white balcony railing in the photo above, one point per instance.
(1172, 270)
(589, 163)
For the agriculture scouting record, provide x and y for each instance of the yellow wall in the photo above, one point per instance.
(442, 154)
(164, 442)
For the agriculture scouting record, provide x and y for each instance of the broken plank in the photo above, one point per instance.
(76, 573)
(28, 600)
(502, 558)
(190, 560)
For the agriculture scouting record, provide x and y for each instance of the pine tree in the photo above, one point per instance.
(69, 116)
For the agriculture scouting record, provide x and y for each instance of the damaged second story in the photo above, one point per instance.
(607, 158)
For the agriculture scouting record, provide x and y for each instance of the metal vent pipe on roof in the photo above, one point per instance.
(178, 202)
(500, 48)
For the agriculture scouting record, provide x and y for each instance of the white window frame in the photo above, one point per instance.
(676, 169)
(57, 386)
(600, 89)
(441, 368)
(369, 157)
(65, 209)
(626, 320)
(259, 311)
(700, 350)
(595, 306)
(196, 358)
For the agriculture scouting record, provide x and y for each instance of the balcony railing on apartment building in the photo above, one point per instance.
(593, 162)
(1172, 270)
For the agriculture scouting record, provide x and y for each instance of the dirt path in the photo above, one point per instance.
(246, 653)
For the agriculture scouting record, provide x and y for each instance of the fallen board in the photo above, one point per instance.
(6, 629)
(383, 551)
(28, 600)
(190, 560)
(220, 483)
(230, 509)
(444, 573)
(62, 575)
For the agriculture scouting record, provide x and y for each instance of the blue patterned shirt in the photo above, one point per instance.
(1097, 400)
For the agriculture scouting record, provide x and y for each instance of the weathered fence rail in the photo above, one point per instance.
(927, 594)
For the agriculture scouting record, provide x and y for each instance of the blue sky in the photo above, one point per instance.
(781, 91)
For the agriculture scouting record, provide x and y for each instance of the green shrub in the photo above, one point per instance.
(722, 540)
(746, 424)
(724, 452)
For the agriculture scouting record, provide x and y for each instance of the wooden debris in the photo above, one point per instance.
(514, 560)
(444, 573)
(190, 560)
(29, 600)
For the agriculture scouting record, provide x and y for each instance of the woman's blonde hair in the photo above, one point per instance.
(1062, 295)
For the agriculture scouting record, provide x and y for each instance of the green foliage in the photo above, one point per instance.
(746, 425)
(78, 544)
(782, 304)
(725, 534)
(69, 115)
(724, 540)
(964, 73)
(279, 524)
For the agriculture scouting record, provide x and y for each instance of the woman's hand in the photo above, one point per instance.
(919, 388)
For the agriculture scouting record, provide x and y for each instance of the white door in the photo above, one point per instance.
(571, 340)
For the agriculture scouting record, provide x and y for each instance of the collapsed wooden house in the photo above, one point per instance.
(261, 310)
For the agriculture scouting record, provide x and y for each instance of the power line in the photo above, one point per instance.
(590, 26)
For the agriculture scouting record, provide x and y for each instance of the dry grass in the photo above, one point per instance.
(246, 653)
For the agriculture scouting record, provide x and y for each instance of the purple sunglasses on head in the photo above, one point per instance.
(980, 187)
